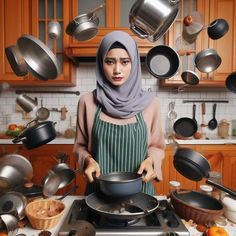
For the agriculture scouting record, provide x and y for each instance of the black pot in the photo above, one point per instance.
(120, 184)
(37, 135)
(217, 29)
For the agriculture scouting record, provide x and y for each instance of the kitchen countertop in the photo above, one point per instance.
(230, 227)
(212, 140)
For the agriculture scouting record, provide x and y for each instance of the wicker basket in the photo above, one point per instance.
(185, 204)
(44, 213)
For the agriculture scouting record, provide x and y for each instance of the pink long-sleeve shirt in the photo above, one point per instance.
(85, 118)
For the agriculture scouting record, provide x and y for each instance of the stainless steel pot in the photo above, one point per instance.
(85, 26)
(151, 19)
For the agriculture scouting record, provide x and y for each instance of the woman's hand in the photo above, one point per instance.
(92, 167)
(147, 166)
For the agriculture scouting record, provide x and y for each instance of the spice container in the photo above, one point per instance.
(206, 189)
(223, 129)
(174, 185)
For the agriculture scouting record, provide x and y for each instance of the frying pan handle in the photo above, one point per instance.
(221, 187)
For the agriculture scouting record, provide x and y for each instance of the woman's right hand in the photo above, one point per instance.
(92, 168)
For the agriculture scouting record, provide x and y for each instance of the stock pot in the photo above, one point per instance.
(151, 19)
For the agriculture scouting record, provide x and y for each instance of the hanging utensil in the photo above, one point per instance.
(42, 113)
(190, 78)
(230, 82)
(212, 124)
(85, 26)
(41, 62)
(217, 29)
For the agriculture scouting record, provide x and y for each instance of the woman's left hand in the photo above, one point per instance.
(147, 167)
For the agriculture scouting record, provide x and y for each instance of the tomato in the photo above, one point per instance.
(12, 127)
(216, 231)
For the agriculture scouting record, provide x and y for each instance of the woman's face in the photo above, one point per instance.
(117, 66)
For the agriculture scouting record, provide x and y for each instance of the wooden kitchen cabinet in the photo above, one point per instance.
(32, 17)
(225, 46)
(14, 21)
(45, 158)
(223, 160)
(114, 16)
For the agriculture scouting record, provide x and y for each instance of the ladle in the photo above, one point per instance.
(212, 124)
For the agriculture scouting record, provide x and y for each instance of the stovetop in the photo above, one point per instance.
(163, 221)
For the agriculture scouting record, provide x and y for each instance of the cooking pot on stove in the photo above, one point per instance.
(151, 19)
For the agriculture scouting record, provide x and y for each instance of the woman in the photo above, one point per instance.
(118, 124)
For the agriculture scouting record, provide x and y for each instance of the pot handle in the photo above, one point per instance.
(141, 33)
(173, 2)
(221, 187)
(19, 139)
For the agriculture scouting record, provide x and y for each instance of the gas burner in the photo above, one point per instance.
(162, 221)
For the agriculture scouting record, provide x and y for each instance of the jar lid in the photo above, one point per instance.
(206, 188)
(174, 183)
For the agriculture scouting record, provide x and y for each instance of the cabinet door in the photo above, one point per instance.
(42, 13)
(211, 10)
(14, 21)
(224, 46)
(114, 16)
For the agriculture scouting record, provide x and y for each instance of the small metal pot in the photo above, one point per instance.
(207, 60)
(9, 222)
(37, 135)
(151, 19)
(85, 26)
(120, 184)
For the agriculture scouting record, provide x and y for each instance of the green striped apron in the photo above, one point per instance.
(119, 148)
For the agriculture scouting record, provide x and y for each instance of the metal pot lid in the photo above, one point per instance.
(19, 162)
(41, 62)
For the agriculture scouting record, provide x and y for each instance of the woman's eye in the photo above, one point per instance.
(109, 62)
(125, 62)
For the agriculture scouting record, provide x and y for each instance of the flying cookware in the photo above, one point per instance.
(123, 208)
(162, 61)
(190, 78)
(207, 60)
(194, 166)
(230, 82)
(16, 60)
(151, 19)
(85, 26)
(36, 135)
(40, 60)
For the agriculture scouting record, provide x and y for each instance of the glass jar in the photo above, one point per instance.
(215, 177)
(174, 185)
(223, 129)
(206, 189)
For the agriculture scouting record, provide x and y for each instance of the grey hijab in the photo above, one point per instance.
(128, 99)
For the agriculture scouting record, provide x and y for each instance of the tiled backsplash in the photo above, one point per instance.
(86, 82)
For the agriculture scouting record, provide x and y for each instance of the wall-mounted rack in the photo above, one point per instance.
(201, 101)
(49, 91)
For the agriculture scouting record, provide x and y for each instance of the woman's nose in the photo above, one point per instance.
(117, 69)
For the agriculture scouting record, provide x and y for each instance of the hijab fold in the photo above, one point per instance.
(127, 100)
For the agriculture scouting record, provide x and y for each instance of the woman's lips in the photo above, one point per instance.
(117, 78)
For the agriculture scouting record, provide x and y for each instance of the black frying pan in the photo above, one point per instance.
(127, 208)
(162, 61)
(230, 82)
(185, 127)
(194, 166)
